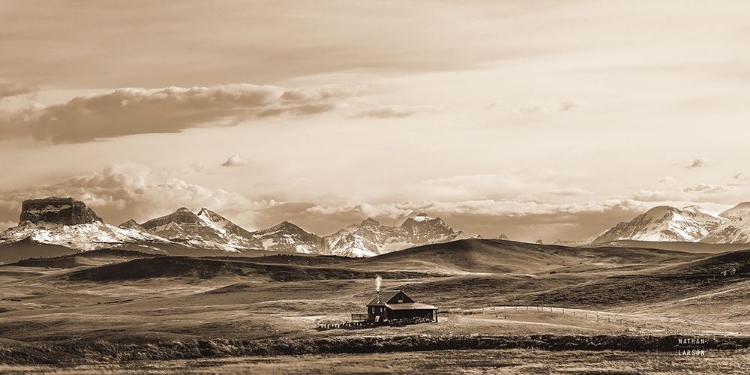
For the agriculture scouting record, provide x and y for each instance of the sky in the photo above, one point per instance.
(537, 119)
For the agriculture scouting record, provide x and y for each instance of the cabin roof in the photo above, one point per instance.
(385, 296)
(410, 306)
(387, 300)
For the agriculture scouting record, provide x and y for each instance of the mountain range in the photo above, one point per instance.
(70, 223)
(687, 224)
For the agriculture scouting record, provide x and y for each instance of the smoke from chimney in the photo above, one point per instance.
(378, 281)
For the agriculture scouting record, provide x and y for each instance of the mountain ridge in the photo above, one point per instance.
(70, 223)
(688, 224)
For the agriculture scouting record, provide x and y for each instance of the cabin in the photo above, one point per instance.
(393, 306)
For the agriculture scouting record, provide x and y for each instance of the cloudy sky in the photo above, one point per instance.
(536, 118)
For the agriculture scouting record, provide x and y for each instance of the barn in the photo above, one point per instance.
(394, 305)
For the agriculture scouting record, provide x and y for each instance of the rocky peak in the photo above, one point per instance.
(665, 223)
(287, 225)
(424, 221)
(422, 217)
(205, 212)
(131, 224)
(738, 212)
(286, 236)
(181, 216)
(423, 229)
(62, 211)
(370, 221)
(660, 212)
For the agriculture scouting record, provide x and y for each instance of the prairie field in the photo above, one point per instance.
(504, 307)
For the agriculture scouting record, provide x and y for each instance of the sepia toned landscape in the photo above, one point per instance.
(374, 187)
(566, 308)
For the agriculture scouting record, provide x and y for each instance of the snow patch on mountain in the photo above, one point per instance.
(289, 237)
(736, 229)
(370, 237)
(664, 223)
(89, 236)
(738, 212)
(66, 222)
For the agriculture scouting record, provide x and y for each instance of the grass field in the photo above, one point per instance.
(130, 310)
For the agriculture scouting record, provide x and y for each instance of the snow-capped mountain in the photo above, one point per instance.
(730, 232)
(423, 229)
(346, 243)
(289, 237)
(66, 222)
(206, 230)
(89, 236)
(664, 223)
(370, 237)
(132, 224)
(738, 212)
(736, 229)
(70, 223)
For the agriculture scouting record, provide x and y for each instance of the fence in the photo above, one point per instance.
(587, 315)
(359, 317)
(347, 325)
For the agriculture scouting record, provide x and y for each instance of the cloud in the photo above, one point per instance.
(8, 89)
(700, 193)
(234, 161)
(697, 163)
(131, 111)
(200, 168)
(130, 191)
(537, 108)
(706, 188)
(396, 111)
(667, 180)
(541, 186)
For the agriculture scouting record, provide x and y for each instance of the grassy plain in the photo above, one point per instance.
(120, 311)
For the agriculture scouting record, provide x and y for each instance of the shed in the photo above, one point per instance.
(395, 305)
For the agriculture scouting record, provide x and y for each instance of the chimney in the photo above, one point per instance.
(378, 296)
